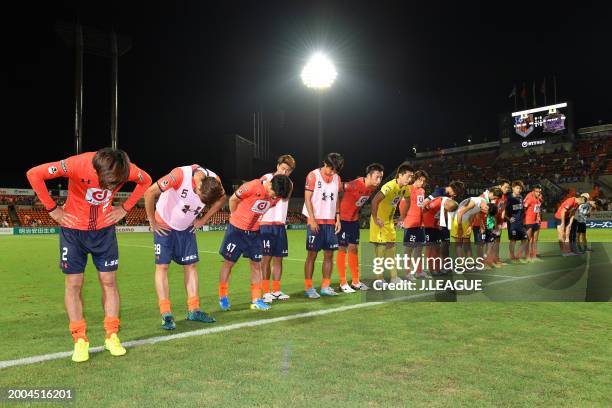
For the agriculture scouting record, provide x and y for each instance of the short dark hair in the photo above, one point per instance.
(403, 168)
(536, 186)
(497, 192)
(518, 183)
(112, 167)
(286, 159)
(492, 209)
(211, 190)
(458, 187)
(281, 185)
(421, 173)
(334, 160)
(501, 181)
(374, 167)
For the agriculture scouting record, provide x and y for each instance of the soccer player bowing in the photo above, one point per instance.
(247, 205)
(184, 194)
(322, 207)
(274, 236)
(355, 194)
(87, 223)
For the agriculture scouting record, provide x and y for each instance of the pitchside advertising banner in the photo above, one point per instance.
(459, 273)
(63, 193)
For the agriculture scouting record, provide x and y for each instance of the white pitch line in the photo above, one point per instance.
(235, 326)
(490, 274)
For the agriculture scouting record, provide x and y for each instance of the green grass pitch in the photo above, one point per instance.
(394, 354)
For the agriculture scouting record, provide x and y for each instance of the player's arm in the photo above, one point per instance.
(439, 191)
(233, 203)
(311, 218)
(308, 191)
(562, 216)
(375, 203)
(143, 181)
(37, 177)
(150, 197)
(338, 224)
(404, 208)
(243, 192)
(507, 213)
(217, 205)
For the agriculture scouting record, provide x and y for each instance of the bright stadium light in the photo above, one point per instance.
(319, 72)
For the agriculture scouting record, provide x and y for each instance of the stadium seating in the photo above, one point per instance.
(35, 218)
(4, 216)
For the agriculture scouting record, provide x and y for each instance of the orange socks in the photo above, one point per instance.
(164, 306)
(353, 261)
(222, 289)
(111, 325)
(265, 286)
(78, 329)
(325, 283)
(275, 286)
(341, 265)
(255, 291)
(307, 284)
(193, 303)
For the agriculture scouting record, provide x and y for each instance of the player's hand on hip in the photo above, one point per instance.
(115, 215)
(63, 218)
(314, 227)
(157, 228)
(196, 226)
(379, 222)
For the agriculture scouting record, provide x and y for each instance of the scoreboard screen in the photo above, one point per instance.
(541, 122)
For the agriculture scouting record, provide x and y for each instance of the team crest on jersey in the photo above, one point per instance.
(361, 201)
(420, 199)
(536, 208)
(260, 206)
(52, 169)
(97, 196)
(395, 201)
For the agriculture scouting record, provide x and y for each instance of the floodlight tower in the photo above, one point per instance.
(319, 74)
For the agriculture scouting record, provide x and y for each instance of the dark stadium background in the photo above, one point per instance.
(409, 74)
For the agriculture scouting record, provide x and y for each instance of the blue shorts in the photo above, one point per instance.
(533, 227)
(491, 236)
(479, 237)
(444, 235)
(432, 235)
(238, 242)
(349, 234)
(75, 245)
(178, 246)
(274, 240)
(325, 240)
(414, 236)
(516, 232)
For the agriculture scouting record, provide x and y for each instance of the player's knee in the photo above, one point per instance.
(107, 280)
(162, 268)
(188, 268)
(74, 285)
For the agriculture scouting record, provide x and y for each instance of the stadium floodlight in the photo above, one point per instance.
(319, 72)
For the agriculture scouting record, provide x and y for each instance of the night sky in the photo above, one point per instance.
(424, 75)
